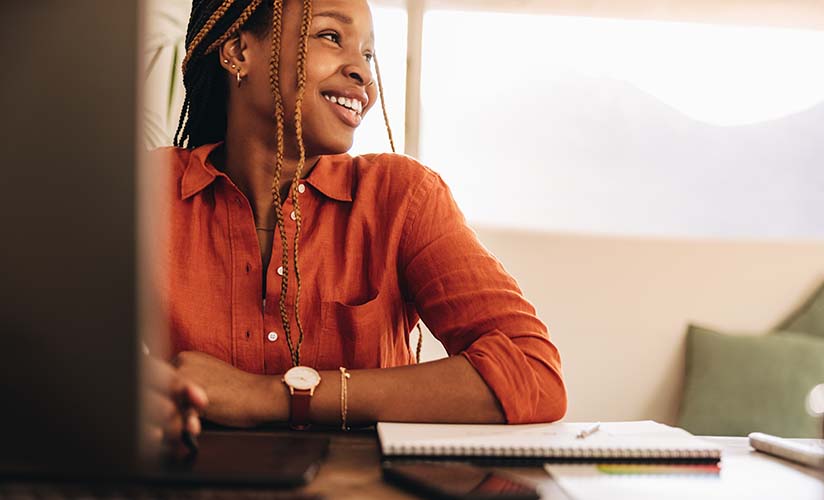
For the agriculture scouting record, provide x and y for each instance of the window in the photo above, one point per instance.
(620, 126)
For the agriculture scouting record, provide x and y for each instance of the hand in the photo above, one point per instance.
(236, 398)
(171, 404)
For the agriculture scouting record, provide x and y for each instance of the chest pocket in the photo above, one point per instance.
(363, 330)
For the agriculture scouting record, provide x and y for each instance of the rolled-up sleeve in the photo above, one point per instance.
(476, 309)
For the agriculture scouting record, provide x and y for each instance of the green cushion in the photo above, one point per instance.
(737, 384)
(809, 318)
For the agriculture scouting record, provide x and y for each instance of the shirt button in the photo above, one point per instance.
(280, 271)
(273, 336)
(301, 188)
(293, 215)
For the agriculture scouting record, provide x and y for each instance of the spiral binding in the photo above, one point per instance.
(438, 449)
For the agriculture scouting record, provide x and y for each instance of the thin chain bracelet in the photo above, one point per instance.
(344, 404)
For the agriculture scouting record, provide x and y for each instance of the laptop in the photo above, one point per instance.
(69, 295)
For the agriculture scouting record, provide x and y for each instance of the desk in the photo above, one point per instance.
(352, 471)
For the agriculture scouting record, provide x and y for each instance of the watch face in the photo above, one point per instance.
(302, 378)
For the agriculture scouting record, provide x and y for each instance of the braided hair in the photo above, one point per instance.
(203, 116)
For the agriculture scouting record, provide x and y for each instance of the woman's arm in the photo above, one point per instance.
(447, 390)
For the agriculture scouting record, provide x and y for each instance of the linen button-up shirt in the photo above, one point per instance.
(382, 245)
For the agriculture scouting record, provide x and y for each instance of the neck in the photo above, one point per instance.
(248, 158)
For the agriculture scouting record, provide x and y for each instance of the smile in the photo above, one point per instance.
(354, 105)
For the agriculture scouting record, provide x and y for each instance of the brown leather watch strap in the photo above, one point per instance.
(299, 409)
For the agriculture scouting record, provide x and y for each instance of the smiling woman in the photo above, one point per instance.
(366, 246)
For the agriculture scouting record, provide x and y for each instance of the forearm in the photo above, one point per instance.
(447, 390)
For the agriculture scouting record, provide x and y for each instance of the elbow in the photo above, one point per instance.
(551, 404)
(547, 401)
(555, 406)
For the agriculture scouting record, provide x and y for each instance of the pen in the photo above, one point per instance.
(588, 432)
(188, 439)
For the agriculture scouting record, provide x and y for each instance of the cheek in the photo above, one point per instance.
(372, 93)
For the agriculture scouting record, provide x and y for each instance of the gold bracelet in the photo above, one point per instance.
(344, 408)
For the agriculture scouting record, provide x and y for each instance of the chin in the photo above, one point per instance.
(331, 146)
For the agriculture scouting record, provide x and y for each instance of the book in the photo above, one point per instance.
(642, 441)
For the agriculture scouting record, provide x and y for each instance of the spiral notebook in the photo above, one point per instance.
(643, 441)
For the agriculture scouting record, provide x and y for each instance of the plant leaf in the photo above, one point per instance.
(153, 61)
(172, 81)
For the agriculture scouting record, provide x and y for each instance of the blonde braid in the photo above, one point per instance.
(302, 53)
(244, 16)
(392, 145)
(383, 107)
(274, 82)
(213, 19)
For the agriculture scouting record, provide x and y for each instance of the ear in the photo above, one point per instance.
(232, 55)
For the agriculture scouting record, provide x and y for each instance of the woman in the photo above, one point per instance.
(285, 252)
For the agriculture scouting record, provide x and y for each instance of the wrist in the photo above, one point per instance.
(271, 400)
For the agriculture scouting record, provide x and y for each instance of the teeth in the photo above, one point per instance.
(352, 104)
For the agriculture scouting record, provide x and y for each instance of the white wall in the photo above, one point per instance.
(618, 307)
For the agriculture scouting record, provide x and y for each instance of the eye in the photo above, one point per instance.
(369, 57)
(331, 36)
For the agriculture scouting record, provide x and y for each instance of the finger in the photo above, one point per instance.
(193, 423)
(195, 396)
(159, 408)
(172, 430)
(153, 435)
(158, 374)
(162, 377)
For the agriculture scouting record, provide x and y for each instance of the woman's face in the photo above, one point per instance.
(339, 89)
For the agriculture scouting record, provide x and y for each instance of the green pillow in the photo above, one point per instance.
(737, 384)
(809, 318)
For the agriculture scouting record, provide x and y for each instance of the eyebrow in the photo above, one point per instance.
(335, 15)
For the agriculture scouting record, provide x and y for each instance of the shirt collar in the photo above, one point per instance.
(332, 175)
(199, 173)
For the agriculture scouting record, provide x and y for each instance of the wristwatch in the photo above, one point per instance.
(301, 381)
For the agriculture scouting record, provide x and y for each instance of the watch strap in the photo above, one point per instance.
(299, 409)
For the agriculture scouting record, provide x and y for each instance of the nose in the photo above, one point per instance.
(360, 72)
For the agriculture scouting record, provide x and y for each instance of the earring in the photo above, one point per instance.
(225, 61)
(239, 78)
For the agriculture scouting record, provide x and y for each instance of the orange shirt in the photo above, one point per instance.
(382, 245)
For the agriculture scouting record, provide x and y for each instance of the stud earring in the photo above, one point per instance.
(225, 61)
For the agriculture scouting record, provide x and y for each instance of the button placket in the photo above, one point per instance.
(246, 352)
(277, 353)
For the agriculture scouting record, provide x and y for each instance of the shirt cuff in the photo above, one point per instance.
(528, 387)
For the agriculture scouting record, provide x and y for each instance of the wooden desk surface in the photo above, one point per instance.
(352, 471)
